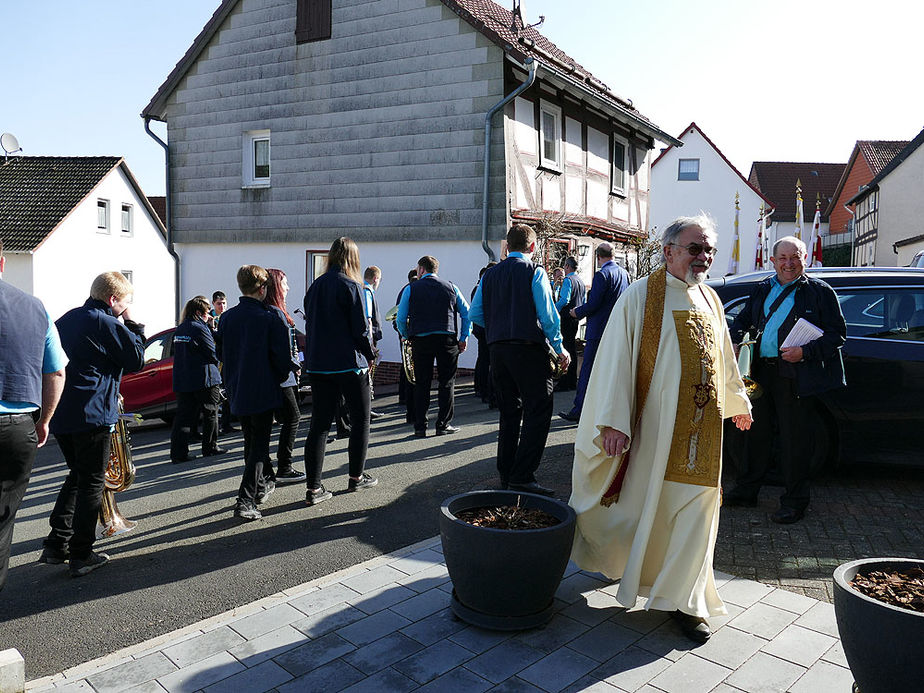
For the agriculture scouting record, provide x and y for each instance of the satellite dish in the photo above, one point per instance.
(9, 143)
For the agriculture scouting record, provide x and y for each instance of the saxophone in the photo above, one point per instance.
(120, 473)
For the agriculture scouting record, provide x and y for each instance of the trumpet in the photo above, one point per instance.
(745, 359)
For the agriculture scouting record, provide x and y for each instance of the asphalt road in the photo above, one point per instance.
(189, 559)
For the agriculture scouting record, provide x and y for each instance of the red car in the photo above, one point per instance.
(149, 392)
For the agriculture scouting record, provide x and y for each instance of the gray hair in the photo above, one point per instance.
(680, 224)
(792, 240)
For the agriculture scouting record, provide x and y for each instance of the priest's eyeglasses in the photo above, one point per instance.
(696, 248)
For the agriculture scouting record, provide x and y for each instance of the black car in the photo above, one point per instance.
(879, 416)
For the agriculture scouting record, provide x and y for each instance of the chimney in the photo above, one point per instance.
(518, 13)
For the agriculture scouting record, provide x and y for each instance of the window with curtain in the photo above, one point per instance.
(688, 169)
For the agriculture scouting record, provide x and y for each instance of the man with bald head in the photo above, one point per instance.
(791, 377)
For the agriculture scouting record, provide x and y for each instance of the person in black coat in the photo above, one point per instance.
(790, 376)
(101, 342)
(338, 352)
(196, 381)
(253, 345)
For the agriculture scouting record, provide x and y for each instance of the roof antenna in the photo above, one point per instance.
(519, 13)
(10, 145)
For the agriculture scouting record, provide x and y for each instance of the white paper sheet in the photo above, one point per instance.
(801, 334)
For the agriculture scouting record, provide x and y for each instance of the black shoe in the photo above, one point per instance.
(246, 510)
(288, 475)
(568, 416)
(734, 500)
(269, 486)
(373, 415)
(365, 481)
(319, 495)
(532, 487)
(215, 451)
(188, 458)
(420, 432)
(446, 430)
(694, 627)
(53, 556)
(787, 516)
(95, 560)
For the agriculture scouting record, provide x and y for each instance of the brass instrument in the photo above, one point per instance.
(745, 359)
(120, 473)
(407, 351)
(555, 363)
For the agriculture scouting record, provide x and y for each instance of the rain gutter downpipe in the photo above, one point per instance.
(168, 221)
(485, 202)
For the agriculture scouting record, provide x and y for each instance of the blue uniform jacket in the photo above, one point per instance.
(608, 284)
(336, 329)
(253, 346)
(195, 363)
(99, 348)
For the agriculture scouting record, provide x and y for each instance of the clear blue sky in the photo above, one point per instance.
(775, 81)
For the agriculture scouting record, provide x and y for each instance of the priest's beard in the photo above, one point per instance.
(696, 275)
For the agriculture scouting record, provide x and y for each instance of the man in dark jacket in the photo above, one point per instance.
(253, 346)
(100, 347)
(790, 376)
(570, 297)
(196, 381)
(608, 284)
(31, 379)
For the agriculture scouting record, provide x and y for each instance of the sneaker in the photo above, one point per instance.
(319, 495)
(246, 511)
(289, 476)
(268, 487)
(88, 564)
(365, 481)
(53, 556)
(446, 430)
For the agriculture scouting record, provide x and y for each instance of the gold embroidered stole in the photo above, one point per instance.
(697, 439)
(648, 354)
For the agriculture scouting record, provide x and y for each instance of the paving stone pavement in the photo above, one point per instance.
(385, 625)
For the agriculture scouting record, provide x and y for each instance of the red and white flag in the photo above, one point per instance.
(736, 244)
(761, 233)
(814, 247)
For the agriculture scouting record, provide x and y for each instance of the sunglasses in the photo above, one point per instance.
(696, 248)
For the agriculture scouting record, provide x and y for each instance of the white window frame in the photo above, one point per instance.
(248, 173)
(620, 183)
(681, 175)
(546, 108)
(103, 205)
(127, 208)
(129, 275)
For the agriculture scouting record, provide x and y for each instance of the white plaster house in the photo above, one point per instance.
(700, 178)
(293, 122)
(889, 211)
(64, 220)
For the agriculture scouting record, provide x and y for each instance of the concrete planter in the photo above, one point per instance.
(883, 643)
(505, 579)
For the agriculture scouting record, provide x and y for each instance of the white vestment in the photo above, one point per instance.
(658, 537)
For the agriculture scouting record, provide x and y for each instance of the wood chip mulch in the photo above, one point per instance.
(508, 517)
(901, 588)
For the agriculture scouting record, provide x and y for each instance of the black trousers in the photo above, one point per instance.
(18, 442)
(523, 387)
(257, 429)
(483, 384)
(76, 512)
(288, 416)
(444, 349)
(188, 406)
(569, 329)
(782, 405)
(326, 390)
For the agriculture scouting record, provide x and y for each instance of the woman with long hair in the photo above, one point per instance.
(196, 382)
(288, 414)
(337, 356)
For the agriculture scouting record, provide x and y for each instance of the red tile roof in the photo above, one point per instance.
(878, 153)
(776, 180)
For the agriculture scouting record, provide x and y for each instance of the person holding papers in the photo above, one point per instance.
(792, 366)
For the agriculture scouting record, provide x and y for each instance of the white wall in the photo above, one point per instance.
(18, 271)
(206, 268)
(713, 193)
(901, 208)
(76, 252)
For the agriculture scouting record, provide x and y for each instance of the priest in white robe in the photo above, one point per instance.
(648, 455)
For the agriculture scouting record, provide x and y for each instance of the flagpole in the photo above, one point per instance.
(736, 244)
(814, 248)
(759, 253)
(798, 231)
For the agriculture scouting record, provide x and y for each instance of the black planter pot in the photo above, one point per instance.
(883, 643)
(505, 579)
